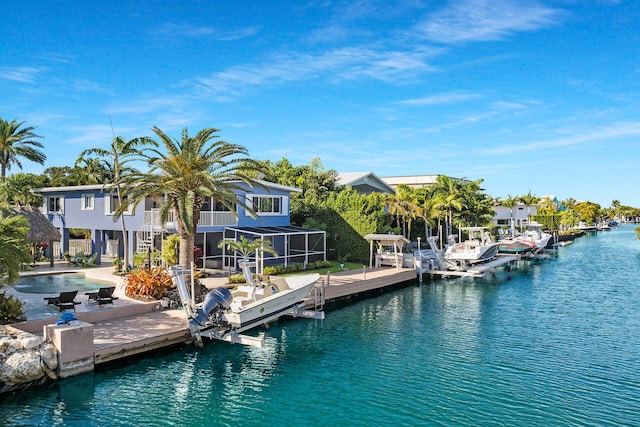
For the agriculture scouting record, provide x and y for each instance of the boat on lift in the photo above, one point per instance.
(533, 239)
(477, 249)
(225, 313)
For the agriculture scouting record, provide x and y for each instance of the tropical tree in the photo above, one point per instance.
(189, 171)
(14, 247)
(588, 211)
(115, 160)
(245, 247)
(448, 200)
(16, 189)
(15, 143)
(478, 206)
(316, 183)
(14, 250)
(511, 202)
(403, 205)
(529, 200)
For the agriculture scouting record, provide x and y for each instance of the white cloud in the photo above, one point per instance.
(441, 99)
(615, 131)
(483, 20)
(20, 74)
(346, 63)
(192, 31)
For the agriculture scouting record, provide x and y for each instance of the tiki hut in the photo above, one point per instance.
(40, 229)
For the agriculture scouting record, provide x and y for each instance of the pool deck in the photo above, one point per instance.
(130, 327)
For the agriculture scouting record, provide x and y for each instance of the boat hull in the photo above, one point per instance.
(245, 316)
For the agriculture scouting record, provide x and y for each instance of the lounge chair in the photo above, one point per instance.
(79, 259)
(64, 301)
(90, 260)
(103, 296)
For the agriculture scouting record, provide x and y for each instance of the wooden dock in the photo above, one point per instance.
(130, 328)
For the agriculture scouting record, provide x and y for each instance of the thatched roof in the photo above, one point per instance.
(40, 229)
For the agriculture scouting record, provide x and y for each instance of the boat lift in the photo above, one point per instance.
(207, 319)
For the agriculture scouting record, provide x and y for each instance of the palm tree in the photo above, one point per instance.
(529, 200)
(115, 160)
(404, 206)
(14, 248)
(447, 199)
(191, 170)
(511, 202)
(15, 143)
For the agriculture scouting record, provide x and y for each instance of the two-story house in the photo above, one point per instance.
(91, 207)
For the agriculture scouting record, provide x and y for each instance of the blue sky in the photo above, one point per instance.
(535, 95)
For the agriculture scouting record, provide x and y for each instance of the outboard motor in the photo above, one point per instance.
(216, 300)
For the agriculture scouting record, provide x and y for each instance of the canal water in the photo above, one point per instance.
(554, 342)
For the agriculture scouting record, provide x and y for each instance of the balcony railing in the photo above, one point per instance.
(207, 218)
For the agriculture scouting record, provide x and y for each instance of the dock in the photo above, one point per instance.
(130, 327)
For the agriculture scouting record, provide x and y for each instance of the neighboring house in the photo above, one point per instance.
(415, 181)
(520, 214)
(364, 182)
(91, 207)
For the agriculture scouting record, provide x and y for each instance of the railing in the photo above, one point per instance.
(75, 247)
(207, 218)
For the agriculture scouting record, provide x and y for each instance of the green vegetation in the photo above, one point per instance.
(193, 168)
(246, 247)
(17, 142)
(116, 160)
(14, 250)
(186, 173)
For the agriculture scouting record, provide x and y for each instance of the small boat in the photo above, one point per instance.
(478, 248)
(224, 314)
(534, 232)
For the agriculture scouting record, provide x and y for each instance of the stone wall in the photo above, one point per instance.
(25, 360)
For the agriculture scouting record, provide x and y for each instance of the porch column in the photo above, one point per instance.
(96, 238)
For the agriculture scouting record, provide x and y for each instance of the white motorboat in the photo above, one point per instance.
(478, 248)
(224, 314)
(534, 233)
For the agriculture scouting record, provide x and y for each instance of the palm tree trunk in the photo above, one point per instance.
(186, 257)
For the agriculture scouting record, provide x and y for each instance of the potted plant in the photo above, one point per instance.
(66, 257)
(117, 265)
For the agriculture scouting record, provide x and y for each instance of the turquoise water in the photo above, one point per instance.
(554, 343)
(54, 284)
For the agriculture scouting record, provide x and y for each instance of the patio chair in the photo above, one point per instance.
(90, 261)
(64, 301)
(79, 259)
(103, 296)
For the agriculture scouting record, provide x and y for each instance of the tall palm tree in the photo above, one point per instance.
(404, 206)
(448, 199)
(511, 202)
(529, 200)
(115, 160)
(16, 143)
(191, 170)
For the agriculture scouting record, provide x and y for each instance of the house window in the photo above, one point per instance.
(268, 205)
(54, 205)
(111, 204)
(219, 207)
(87, 202)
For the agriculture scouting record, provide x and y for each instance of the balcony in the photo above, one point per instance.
(207, 219)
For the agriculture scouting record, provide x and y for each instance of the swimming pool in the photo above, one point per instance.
(33, 289)
(55, 283)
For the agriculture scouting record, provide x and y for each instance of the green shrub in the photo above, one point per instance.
(140, 259)
(281, 269)
(11, 310)
(237, 278)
